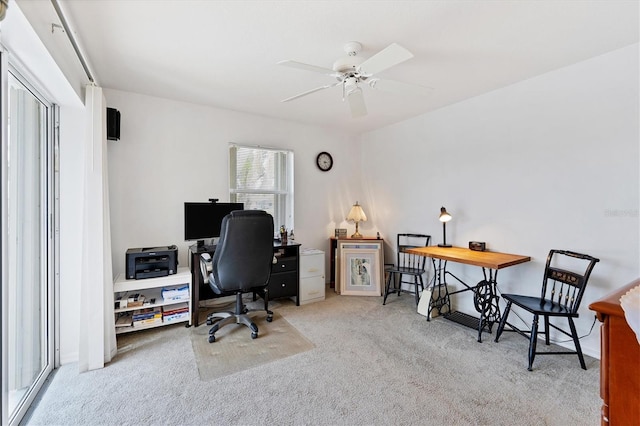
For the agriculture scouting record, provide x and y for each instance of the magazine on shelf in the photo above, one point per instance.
(179, 317)
(175, 294)
(124, 320)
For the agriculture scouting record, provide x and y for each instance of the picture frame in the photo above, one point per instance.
(360, 266)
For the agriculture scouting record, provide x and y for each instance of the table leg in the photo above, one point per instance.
(439, 290)
(486, 302)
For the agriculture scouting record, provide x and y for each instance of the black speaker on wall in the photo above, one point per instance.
(113, 124)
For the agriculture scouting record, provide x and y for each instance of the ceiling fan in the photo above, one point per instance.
(353, 72)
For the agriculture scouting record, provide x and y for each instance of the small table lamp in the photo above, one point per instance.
(356, 214)
(444, 218)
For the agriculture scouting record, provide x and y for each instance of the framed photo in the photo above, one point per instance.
(360, 268)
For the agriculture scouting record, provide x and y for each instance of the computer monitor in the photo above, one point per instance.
(203, 220)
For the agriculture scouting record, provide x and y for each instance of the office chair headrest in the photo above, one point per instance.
(239, 213)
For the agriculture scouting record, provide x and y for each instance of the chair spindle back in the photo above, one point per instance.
(565, 286)
(408, 241)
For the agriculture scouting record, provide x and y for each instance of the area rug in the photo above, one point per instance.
(234, 350)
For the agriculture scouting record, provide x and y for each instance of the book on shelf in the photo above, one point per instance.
(148, 321)
(147, 313)
(175, 308)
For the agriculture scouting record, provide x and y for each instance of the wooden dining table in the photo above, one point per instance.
(485, 297)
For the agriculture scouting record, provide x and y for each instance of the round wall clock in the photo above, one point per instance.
(324, 161)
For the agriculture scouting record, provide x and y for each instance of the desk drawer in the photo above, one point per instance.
(311, 265)
(311, 289)
(283, 285)
(285, 264)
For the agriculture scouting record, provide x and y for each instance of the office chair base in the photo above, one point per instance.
(224, 318)
(220, 319)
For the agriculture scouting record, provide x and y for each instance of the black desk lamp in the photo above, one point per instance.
(444, 218)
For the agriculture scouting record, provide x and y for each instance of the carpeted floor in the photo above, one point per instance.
(371, 365)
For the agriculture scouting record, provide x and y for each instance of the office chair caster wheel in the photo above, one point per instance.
(209, 321)
(269, 318)
(254, 335)
(212, 338)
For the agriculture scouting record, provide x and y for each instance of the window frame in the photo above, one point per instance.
(12, 69)
(284, 191)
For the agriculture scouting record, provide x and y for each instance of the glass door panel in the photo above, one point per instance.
(27, 295)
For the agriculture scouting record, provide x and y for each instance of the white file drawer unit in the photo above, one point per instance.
(312, 283)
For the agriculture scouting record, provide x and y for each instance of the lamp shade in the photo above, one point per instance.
(356, 213)
(444, 218)
(444, 215)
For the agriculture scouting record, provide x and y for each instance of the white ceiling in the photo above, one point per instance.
(225, 53)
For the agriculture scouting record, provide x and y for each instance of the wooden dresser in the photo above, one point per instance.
(619, 361)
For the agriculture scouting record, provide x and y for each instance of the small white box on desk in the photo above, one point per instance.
(312, 282)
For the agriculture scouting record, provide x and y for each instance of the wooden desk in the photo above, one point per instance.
(619, 361)
(284, 280)
(485, 259)
(485, 297)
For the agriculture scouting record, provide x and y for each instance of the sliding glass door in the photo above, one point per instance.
(28, 230)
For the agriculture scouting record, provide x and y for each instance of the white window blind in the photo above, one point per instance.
(262, 179)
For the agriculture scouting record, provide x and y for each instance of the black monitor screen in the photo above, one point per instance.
(203, 220)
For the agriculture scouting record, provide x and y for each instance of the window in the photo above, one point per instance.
(262, 179)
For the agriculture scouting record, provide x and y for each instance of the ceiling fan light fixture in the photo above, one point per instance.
(354, 91)
(350, 84)
(352, 70)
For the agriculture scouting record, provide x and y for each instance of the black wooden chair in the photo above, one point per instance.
(407, 264)
(565, 279)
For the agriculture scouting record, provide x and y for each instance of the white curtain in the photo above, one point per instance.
(97, 329)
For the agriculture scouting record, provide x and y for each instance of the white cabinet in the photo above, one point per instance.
(172, 310)
(312, 282)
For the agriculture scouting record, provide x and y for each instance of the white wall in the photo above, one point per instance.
(171, 152)
(551, 162)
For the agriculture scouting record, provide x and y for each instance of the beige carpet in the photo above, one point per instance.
(371, 365)
(234, 350)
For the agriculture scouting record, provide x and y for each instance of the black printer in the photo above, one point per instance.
(150, 262)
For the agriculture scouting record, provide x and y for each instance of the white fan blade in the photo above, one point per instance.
(400, 88)
(356, 103)
(386, 58)
(307, 67)
(308, 92)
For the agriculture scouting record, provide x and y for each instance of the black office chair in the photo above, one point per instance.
(565, 279)
(407, 264)
(242, 264)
